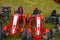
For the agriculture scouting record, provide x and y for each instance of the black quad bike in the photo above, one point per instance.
(52, 18)
(5, 13)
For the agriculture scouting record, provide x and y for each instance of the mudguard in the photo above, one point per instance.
(5, 28)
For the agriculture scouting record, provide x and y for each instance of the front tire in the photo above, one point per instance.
(29, 36)
(24, 33)
(50, 35)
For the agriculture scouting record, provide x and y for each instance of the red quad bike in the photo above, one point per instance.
(37, 31)
(12, 29)
(58, 1)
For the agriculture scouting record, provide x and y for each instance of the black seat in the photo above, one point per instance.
(36, 11)
(53, 13)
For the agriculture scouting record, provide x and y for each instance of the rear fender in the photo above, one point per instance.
(21, 29)
(46, 30)
(30, 30)
(24, 18)
(5, 28)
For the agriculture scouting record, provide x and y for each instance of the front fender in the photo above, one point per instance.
(46, 30)
(30, 30)
(5, 28)
(21, 29)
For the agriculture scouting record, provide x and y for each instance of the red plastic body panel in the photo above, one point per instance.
(5, 28)
(39, 29)
(12, 29)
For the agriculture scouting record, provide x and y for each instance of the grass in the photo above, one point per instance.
(46, 6)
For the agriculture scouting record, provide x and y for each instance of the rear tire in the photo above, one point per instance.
(50, 35)
(29, 36)
(2, 32)
(24, 33)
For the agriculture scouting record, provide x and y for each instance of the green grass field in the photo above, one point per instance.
(46, 6)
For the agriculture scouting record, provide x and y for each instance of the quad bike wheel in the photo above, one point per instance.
(58, 28)
(29, 36)
(26, 35)
(2, 33)
(50, 35)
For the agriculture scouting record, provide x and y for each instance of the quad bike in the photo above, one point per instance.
(13, 29)
(4, 13)
(36, 29)
(58, 1)
(52, 18)
(2, 32)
